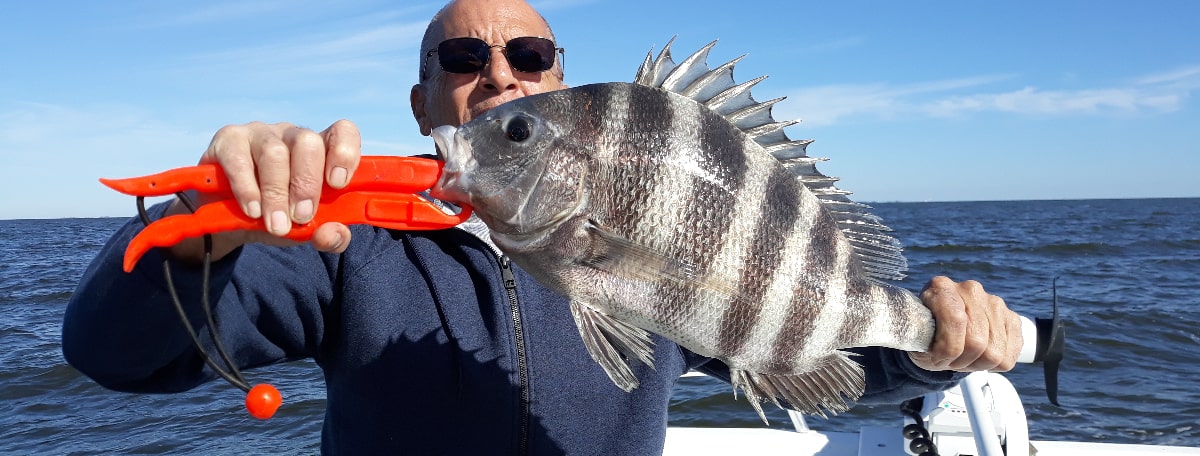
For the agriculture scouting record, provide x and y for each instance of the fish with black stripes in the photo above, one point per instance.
(677, 205)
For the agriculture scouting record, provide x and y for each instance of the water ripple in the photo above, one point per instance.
(1128, 271)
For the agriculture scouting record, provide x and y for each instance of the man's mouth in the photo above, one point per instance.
(485, 106)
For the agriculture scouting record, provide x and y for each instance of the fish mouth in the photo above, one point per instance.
(443, 140)
(451, 184)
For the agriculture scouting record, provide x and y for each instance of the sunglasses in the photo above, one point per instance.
(527, 54)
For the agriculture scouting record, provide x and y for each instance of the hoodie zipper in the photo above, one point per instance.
(510, 286)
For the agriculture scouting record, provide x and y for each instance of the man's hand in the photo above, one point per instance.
(277, 172)
(975, 330)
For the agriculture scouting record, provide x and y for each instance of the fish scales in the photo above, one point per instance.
(787, 281)
(627, 151)
(825, 270)
(706, 203)
(686, 197)
(759, 255)
(653, 212)
(664, 188)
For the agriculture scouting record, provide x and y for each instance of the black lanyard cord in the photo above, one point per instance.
(232, 375)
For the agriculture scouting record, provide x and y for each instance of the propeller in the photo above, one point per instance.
(1051, 337)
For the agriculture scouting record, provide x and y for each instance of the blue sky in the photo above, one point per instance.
(910, 101)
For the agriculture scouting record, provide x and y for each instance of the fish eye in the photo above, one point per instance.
(518, 129)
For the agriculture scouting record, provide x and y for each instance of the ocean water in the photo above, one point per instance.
(1128, 285)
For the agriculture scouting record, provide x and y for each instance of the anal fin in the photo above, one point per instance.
(612, 342)
(828, 388)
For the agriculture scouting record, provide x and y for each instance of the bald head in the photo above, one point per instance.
(462, 17)
(443, 98)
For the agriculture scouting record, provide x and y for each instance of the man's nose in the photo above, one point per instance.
(498, 75)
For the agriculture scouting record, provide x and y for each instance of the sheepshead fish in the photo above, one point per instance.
(677, 205)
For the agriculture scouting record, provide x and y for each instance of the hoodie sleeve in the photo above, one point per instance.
(123, 329)
(893, 378)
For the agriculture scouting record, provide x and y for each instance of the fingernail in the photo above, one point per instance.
(253, 209)
(338, 178)
(279, 224)
(302, 212)
(336, 243)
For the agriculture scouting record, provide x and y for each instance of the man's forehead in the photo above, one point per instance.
(495, 23)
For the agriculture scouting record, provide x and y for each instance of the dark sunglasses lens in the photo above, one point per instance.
(530, 54)
(463, 55)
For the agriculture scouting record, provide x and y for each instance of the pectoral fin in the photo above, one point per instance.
(836, 380)
(617, 255)
(612, 342)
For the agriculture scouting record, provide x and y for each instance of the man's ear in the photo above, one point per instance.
(416, 98)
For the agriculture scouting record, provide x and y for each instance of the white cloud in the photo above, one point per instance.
(55, 154)
(560, 4)
(412, 145)
(825, 105)
(379, 48)
(46, 133)
(1029, 100)
(272, 45)
(835, 45)
(226, 11)
(1187, 77)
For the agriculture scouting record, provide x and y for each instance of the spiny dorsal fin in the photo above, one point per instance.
(716, 88)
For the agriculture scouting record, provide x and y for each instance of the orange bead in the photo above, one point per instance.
(263, 400)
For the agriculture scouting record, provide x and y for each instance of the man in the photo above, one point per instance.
(426, 348)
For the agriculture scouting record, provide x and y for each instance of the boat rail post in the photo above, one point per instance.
(980, 417)
(798, 421)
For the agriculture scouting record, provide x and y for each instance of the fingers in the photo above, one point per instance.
(1014, 341)
(272, 163)
(979, 334)
(331, 237)
(950, 316)
(277, 171)
(975, 330)
(344, 150)
(306, 150)
(230, 148)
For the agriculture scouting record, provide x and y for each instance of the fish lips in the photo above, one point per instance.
(452, 184)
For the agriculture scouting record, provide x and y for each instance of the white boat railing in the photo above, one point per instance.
(954, 421)
(982, 415)
(959, 418)
(988, 443)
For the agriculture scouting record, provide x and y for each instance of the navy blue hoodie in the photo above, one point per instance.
(401, 321)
